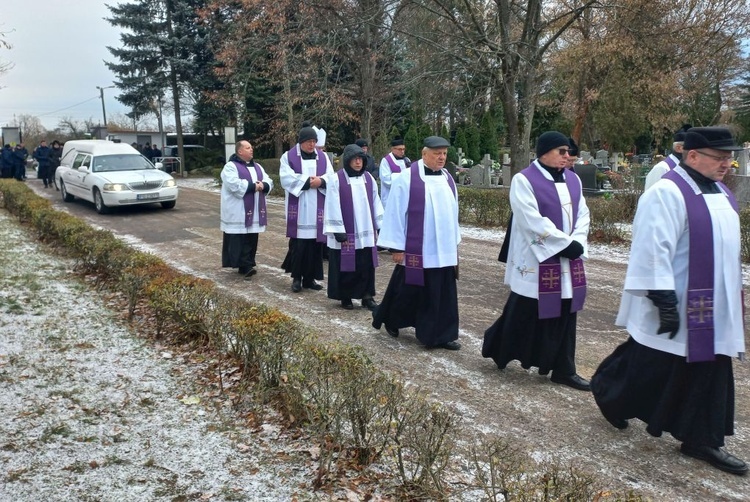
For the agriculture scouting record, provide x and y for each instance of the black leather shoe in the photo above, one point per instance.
(296, 286)
(250, 274)
(347, 304)
(573, 381)
(314, 286)
(369, 304)
(391, 331)
(619, 423)
(716, 457)
(452, 345)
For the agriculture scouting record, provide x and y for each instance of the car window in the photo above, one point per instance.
(79, 161)
(122, 162)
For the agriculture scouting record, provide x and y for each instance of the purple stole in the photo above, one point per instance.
(295, 162)
(348, 250)
(700, 293)
(670, 162)
(415, 226)
(249, 197)
(550, 270)
(395, 168)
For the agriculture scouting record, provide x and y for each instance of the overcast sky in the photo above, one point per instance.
(58, 52)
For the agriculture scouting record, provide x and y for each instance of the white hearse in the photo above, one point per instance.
(111, 175)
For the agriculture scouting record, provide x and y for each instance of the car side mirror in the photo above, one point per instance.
(83, 169)
(159, 165)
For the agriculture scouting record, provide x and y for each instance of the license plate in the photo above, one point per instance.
(142, 196)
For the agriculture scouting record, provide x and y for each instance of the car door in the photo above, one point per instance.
(78, 178)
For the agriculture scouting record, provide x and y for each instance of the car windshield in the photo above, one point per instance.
(122, 162)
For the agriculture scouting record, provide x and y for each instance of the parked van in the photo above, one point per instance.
(112, 174)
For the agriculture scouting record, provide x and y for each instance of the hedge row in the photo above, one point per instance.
(358, 414)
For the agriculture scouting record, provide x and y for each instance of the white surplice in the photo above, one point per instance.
(292, 183)
(659, 261)
(534, 238)
(233, 190)
(387, 175)
(440, 230)
(333, 222)
(659, 170)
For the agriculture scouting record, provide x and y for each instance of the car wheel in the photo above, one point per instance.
(64, 191)
(169, 204)
(101, 208)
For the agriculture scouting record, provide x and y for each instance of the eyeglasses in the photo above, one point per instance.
(720, 158)
(563, 151)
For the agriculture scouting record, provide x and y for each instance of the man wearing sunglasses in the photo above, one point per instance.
(682, 306)
(548, 239)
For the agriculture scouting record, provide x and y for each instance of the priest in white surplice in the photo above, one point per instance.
(545, 267)
(421, 230)
(244, 186)
(682, 306)
(353, 215)
(391, 166)
(302, 172)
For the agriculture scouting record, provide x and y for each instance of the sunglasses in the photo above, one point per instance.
(563, 151)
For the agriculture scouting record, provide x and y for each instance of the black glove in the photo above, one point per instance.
(573, 251)
(669, 318)
(340, 237)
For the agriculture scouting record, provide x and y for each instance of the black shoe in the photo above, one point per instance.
(250, 274)
(716, 457)
(619, 423)
(452, 345)
(296, 286)
(314, 286)
(573, 381)
(391, 331)
(347, 304)
(369, 304)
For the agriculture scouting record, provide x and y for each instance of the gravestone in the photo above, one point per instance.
(478, 176)
(615, 161)
(742, 159)
(587, 173)
(586, 157)
(487, 163)
(601, 158)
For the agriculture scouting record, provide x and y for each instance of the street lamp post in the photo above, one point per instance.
(101, 96)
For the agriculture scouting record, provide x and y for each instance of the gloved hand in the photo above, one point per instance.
(340, 237)
(573, 251)
(669, 318)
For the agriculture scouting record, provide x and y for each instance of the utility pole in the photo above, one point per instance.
(101, 96)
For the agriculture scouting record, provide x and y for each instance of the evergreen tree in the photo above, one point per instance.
(461, 141)
(413, 143)
(472, 143)
(488, 136)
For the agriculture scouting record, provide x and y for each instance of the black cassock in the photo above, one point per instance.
(431, 309)
(347, 285)
(692, 401)
(548, 344)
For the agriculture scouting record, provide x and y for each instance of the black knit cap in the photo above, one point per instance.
(436, 142)
(397, 141)
(549, 141)
(306, 133)
(573, 148)
(717, 138)
(361, 142)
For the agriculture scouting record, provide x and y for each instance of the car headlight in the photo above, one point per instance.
(114, 187)
(169, 183)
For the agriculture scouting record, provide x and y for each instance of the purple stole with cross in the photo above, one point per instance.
(249, 197)
(295, 162)
(670, 162)
(700, 292)
(415, 225)
(348, 263)
(395, 168)
(550, 270)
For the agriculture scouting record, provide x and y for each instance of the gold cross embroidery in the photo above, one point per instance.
(550, 279)
(578, 272)
(703, 308)
(413, 260)
(292, 212)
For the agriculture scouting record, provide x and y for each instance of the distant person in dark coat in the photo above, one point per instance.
(54, 160)
(6, 162)
(19, 162)
(41, 155)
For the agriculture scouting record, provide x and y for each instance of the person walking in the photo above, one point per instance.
(55, 157)
(672, 160)
(42, 156)
(392, 164)
(420, 228)
(548, 240)
(682, 307)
